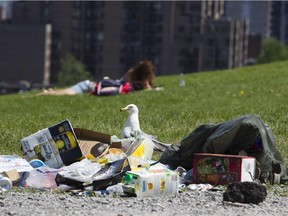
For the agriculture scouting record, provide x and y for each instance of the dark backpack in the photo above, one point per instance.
(248, 133)
(107, 87)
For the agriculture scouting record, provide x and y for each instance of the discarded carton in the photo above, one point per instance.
(94, 144)
(220, 169)
(141, 148)
(10, 162)
(13, 175)
(55, 146)
(150, 182)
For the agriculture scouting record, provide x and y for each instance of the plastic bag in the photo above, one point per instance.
(81, 171)
(42, 177)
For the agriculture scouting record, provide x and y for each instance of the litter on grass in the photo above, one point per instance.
(85, 161)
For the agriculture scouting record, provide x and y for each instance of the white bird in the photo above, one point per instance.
(132, 125)
(132, 128)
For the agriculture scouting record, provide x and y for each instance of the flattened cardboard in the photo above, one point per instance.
(93, 148)
(88, 140)
(84, 134)
(13, 175)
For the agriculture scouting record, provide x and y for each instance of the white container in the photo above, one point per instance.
(182, 82)
(151, 182)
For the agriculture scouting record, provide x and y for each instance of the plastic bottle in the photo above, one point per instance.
(5, 184)
(116, 189)
(182, 82)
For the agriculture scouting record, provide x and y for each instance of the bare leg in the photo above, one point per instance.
(66, 91)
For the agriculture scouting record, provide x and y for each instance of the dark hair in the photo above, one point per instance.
(142, 74)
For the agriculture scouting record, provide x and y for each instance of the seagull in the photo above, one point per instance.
(132, 128)
(132, 125)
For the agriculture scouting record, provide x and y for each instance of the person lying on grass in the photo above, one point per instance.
(139, 77)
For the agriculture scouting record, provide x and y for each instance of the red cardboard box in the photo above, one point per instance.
(220, 169)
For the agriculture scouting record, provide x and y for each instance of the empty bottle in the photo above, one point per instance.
(182, 80)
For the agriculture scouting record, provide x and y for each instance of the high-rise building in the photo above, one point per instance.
(25, 53)
(258, 15)
(279, 21)
(225, 44)
(257, 12)
(5, 10)
(111, 36)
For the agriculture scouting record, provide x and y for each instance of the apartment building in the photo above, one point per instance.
(279, 21)
(226, 44)
(25, 53)
(257, 12)
(259, 16)
(111, 36)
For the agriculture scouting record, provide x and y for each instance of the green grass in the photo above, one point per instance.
(208, 97)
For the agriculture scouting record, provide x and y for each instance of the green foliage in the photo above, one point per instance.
(272, 50)
(72, 71)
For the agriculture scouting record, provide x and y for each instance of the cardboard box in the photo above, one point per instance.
(94, 144)
(150, 182)
(55, 146)
(220, 169)
(11, 162)
(13, 175)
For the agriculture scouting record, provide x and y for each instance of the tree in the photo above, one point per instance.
(72, 71)
(272, 50)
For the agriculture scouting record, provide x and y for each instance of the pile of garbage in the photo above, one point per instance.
(77, 160)
(84, 161)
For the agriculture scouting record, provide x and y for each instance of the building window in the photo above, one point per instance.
(286, 8)
(196, 7)
(157, 6)
(195, 18)
(88, 13)
(100, 36)
(75, 23)
(75, 46)
(181, 29)
(76, 13)
(76, 3)
(210, 41)
(227, 42)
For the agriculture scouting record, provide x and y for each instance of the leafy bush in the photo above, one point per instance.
(272, 50)
(72, 71)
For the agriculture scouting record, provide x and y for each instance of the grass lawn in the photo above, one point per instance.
(208, 97)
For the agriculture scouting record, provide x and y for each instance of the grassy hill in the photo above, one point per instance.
(208, 97)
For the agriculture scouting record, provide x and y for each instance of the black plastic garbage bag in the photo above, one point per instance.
(248, 133)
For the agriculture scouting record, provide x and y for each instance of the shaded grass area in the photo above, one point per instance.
(208, 97)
